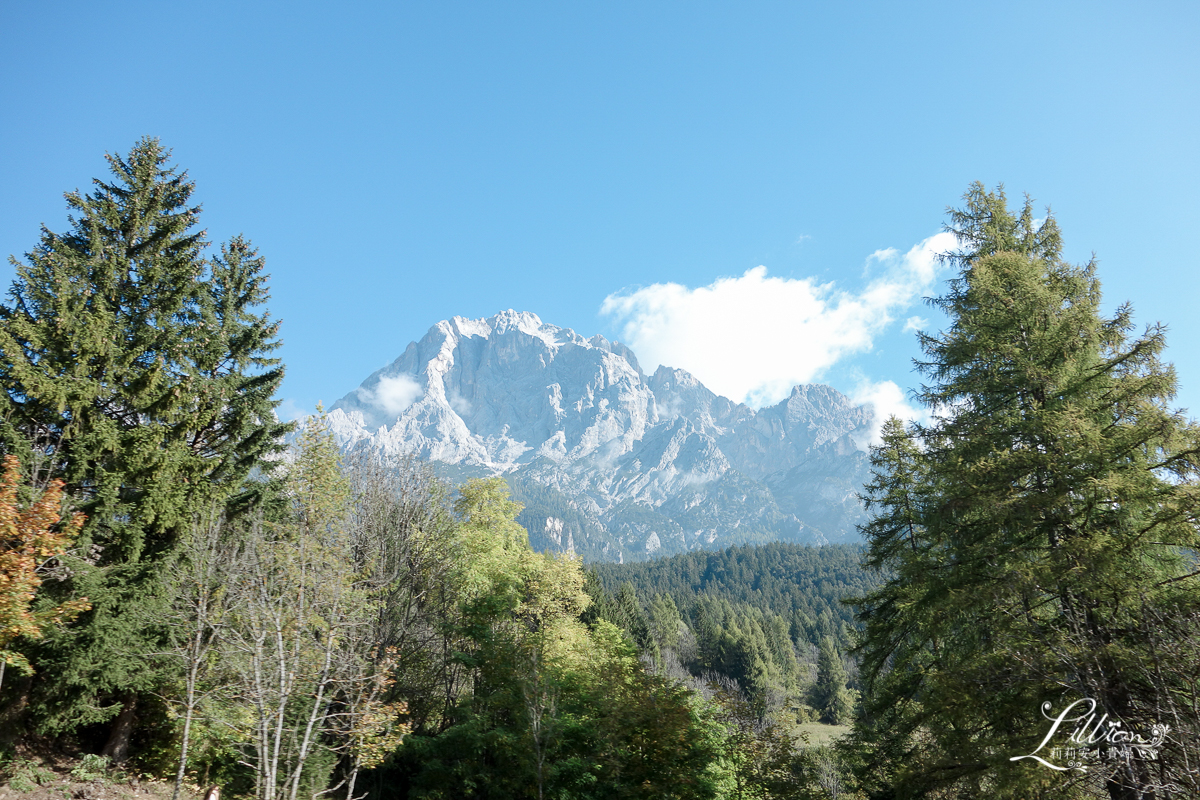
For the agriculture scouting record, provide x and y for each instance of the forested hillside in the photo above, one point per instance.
(803, 584)
(767, 621)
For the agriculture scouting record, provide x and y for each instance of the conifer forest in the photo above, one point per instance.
(195, 594)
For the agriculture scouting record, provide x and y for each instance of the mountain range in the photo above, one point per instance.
(608, 461)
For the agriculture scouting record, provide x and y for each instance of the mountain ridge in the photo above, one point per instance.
(642, 465)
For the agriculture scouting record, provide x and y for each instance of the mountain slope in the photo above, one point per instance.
(608, 461)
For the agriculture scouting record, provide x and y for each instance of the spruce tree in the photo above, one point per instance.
(137, 371)
(1039, 534)
(829, 695)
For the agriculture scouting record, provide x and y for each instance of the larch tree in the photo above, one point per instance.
(138, 371)
(1039, 536)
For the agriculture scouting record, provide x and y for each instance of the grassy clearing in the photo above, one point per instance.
(821, 734)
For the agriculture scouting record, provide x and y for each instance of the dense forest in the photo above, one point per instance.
(802, 584)
(767, 622)
(195, 592)
(757, 615)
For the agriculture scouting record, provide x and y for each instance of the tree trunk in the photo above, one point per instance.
(116, 749)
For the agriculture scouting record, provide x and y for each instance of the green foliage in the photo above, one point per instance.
(663, 620)
(316, 484)
(91, 768)
(1039, 535)
(138, 372)
(25, 776)
(803, 585)
(27, 543)
(762, 758)
(743, 643)
(553, 708)
(753, 615)
(612, 731)
(653, 742)
(829, 695)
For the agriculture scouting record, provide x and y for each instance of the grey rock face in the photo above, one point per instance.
(608, 462)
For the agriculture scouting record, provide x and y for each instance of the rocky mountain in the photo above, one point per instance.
(608, 461)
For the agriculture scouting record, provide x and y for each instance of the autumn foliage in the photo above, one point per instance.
(28, 540)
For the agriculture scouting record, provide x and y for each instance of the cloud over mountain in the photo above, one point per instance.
(753, 337)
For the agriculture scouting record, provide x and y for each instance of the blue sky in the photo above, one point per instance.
(398, 164)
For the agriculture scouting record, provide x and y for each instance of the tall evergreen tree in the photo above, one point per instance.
(139, 372)
(1040, 534)
(829, 695)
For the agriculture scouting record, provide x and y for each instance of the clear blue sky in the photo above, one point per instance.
(400, 163)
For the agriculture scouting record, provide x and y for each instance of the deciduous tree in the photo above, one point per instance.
(28, 543)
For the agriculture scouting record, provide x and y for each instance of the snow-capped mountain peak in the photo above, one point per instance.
(513, 395)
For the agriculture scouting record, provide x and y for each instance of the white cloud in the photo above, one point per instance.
(291, 411)
(888, 400)
(752, 338)
(395, 393)
(460, 404)
(913, 324)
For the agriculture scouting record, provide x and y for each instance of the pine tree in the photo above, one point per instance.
(664, 621)
(233, 373)
(829, 695)
(1040, 533)
(138, 372)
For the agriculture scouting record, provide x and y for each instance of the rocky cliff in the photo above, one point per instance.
(609, 462)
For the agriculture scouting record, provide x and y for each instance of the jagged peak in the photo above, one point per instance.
(818, 394)
(509, 319)
(507, 322)
(498, 323)
(681, 378)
